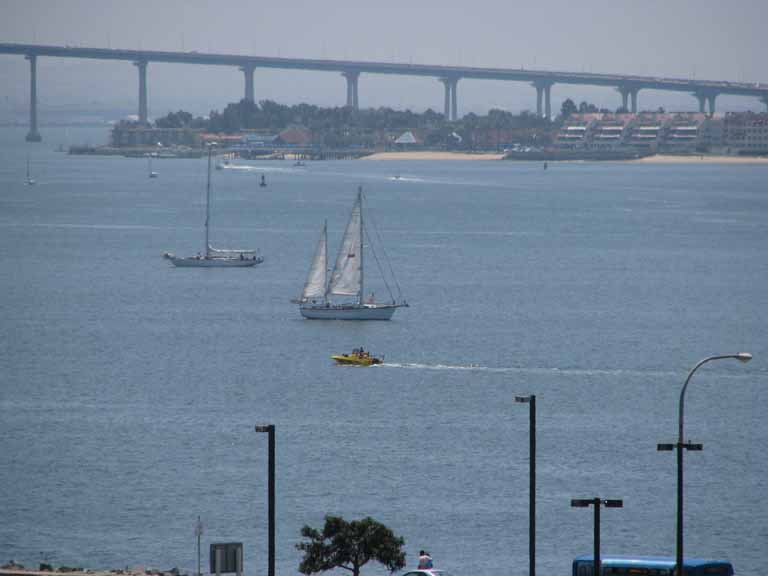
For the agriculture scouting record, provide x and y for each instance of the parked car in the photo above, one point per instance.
(430, 572)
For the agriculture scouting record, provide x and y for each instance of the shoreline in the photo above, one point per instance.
(433, 155)
(65, 571)
(705, 159)
(656, 159)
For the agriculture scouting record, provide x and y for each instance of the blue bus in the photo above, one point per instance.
(649, 566)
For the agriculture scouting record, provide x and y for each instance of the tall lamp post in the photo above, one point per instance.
(682, 445)
(270, 429)
(198, 533)
(531, 401)
(597, 503)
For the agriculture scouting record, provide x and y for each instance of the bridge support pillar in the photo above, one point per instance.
(711, 103)
(543, 93)
(33, 135)
(447, 103)
(624, 99)
(702, 98)
(450, 108)
(454, 104)
(142, 66)
(539, 94)
(629, 96)
(352, 77)
(248, 75)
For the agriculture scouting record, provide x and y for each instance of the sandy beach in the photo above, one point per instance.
(428, 155)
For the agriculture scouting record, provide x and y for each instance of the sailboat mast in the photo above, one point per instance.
(326, 283)
(208, 201)
(362, 275)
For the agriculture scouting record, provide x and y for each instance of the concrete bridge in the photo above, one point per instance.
(628, 86)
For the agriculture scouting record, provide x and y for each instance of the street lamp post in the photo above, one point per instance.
(198, 533)
(531, 401)
(682, 445)
(270, 429)
(597, 503)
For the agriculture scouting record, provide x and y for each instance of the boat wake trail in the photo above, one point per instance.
(417, 366)
(248, 168)
(409, 179)
(565, 372)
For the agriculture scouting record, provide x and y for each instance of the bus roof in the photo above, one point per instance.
(649, 561)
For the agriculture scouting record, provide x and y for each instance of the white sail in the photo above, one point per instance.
(346, 277)
(314, 287)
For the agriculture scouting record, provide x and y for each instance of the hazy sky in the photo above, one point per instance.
(722, 40)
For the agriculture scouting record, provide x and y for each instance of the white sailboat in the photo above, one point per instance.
(214, 257)
(317, 299)
(152, 173)
(30, 180)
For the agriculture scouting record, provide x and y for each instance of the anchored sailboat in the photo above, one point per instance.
(30, 180)
(152, 173)
(346, 280)
(213, 257)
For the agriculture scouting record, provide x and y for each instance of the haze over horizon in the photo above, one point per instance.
(701, 39)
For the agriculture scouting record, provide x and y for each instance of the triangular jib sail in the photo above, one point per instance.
(347, 273)
(315, 286)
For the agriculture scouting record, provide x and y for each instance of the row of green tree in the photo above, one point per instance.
(270, 115)
(569, 107)
(344, 126)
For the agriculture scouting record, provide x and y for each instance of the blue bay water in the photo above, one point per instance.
(129, 389)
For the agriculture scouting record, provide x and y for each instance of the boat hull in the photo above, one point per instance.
(193, 262)
(364, 312)
(355, 360)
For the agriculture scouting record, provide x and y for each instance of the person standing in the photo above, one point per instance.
(425, 560)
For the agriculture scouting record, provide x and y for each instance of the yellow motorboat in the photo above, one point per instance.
(358, 357)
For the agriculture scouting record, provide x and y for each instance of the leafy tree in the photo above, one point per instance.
(587, 107)
(568, 108)
(343, 126)
(350, 545)
(178, 119)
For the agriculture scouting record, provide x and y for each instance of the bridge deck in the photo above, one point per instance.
(521, 75)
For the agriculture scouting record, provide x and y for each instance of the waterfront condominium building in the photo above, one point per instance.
(745, 133)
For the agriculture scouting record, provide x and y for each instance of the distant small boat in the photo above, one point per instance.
(358, 357)
(222, 165)
(152, 174)
(30, 180)
(213, 257)
(545, 165)
(263, 182)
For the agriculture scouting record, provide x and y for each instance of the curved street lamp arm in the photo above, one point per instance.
(741, 356)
